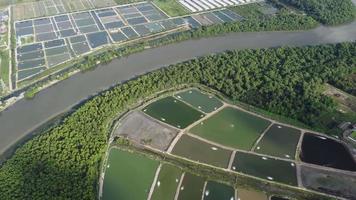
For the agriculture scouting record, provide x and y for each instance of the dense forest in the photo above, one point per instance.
(63, 163)
(331, 12)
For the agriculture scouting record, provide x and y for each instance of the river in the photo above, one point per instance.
(25, 115)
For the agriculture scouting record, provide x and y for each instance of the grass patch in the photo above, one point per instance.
(5, 66)
(259, 10)
(128, 176)
(232, 127)
(171, 7)
(249, 10)
(353, 135)
(27, 40)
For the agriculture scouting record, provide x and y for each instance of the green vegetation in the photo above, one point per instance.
(168, 179)
(250, 11)
(232, 127)
(171, 7)
(353, 135)
(331, 12)
(121, 2)
(266, 168)
(31, 92)
(192, 187)
(27, 40)
(197, 150)
(284, 20)
(128, 176)
(200, 101)
(283, 81)
(5, 66)
(173, 112)
(214, 191)
(347, 83)
(279, 141)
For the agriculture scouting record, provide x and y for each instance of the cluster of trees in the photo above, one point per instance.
(347, 83)
(64, 162)
(331, 12)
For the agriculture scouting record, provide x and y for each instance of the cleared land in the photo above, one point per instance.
(138, 127)
(218, 191)
(192, 187)
(171, 7)
(328, 181)
(204, 102)
(195, 149)
(245, 194)
(266, 168)
(173, 112)
(167, 183)
(232, 127)
(280, 141)
(128, 176)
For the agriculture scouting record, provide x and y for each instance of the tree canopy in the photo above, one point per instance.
(331, 12)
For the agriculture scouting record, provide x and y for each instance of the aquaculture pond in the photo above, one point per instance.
(194, 149)
(128, 176)
(266, 168)
(204, 102)
(232, 127)
(192, 187)
(327, 152)
(280, 141)
(218, 191)
(174, 112)
(167, 183)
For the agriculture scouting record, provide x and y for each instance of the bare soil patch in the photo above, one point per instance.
(331, 182)
(137, 127)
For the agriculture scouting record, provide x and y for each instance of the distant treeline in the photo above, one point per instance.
(331, 12)
(63, 163)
